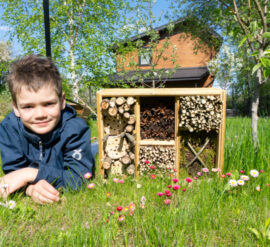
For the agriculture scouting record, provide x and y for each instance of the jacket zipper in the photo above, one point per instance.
(40, 150)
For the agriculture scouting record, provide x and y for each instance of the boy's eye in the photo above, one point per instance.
(27, 107)
(49, 104)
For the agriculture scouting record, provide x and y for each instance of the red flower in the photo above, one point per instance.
(153, 176)
(152, 167)
(146, 162)
(189, 180)
(121, 181)
(228, 174)
(261, 171)
(184, 190)
(268, 185)
(175, 180)
(223, 176)
(119, 209)
(195, 178)
(176, 187)
(160, 194)
(242, 171)
(169, 186)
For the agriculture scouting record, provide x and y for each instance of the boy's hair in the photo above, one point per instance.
(33, 71)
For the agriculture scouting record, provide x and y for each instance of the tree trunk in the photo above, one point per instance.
(254, 109)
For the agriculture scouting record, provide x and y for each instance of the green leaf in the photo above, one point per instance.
(242, 41)
(256, 67)
(267, 222)
(266, 35)
(255, 232)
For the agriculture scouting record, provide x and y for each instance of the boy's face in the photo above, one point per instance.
(39, 111)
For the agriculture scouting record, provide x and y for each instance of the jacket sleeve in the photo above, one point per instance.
(11, 152)
(77, 161)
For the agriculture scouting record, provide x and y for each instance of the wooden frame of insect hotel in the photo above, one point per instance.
(167, 129)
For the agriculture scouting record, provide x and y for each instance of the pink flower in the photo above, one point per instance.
(215, 170)
(91, 186)
(189, 180)
(87, 225)
(87, 175)
(175, 180)
(167, 201)
(131, 212)
(206, 170)
(169, 186)
(223, 176)
(153, 176)
(169, 194)
(174, 170)
(262, 171)
(146, 162)
(152, 167)
(242, 171)
(121, 218)
(160, 194)
(168, 168)
(176, 187)
(228, 174)
(199, 174)
(184, 190)
(108, 194)
(119, 209)
(121, 181)
(131, 206)
(112, 212)
(116, 180)
(126, 209)
(195, 178)
(268, 185)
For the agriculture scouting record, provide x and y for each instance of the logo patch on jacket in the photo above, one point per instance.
(77, 154)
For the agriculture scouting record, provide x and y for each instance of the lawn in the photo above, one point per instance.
(128, 212)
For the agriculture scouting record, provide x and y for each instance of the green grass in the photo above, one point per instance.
(206, 214)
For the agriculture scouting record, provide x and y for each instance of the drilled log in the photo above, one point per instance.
(112, 111)
(120, 101)
(132, 119)
(126, 115)
(107, 163)
(131, 169)
(129, 128)
(131, 100)
(105, 104)
(126, 160)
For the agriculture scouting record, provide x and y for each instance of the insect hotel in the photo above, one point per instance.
(172, 128)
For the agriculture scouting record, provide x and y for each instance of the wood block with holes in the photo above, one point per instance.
(179, 128)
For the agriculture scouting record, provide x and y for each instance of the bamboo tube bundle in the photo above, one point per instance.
(162, 157)
(200, 113)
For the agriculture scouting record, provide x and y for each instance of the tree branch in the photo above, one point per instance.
(244, 29)
(85, 104)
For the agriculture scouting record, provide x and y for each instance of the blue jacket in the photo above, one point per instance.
(62, 156)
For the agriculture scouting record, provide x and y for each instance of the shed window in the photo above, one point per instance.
(145, 59)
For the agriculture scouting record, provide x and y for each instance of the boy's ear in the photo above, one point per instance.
(63, 103)
(15, 109)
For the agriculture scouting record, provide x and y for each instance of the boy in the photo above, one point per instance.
(43, 144)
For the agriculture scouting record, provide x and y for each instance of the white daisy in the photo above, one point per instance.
(11, 204)
(233, 183)
(244, 177)
(254, 173)
(240, 182)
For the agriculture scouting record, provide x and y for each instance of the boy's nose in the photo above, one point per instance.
(40, 112)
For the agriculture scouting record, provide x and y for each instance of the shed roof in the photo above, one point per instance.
(168, 75)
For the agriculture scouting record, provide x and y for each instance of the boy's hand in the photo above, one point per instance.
(42, 192)
(17, 179)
